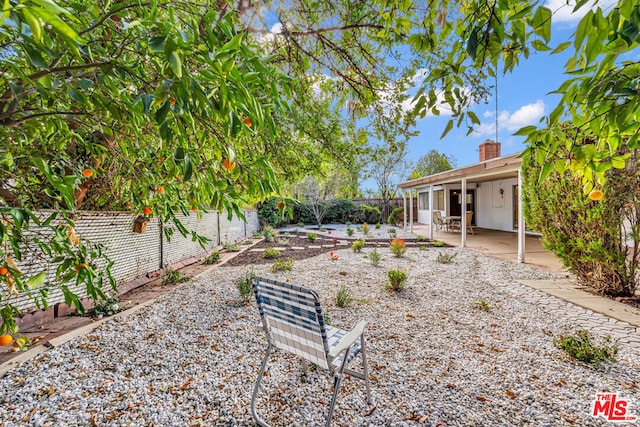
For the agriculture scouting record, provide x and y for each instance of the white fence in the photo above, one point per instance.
(136, 254)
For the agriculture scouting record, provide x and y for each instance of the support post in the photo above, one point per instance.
(404, 210)
(521, 224)
(431, 211)
(463, 209)
(411, 211)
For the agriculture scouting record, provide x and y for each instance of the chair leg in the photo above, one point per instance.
(256, 389)
(337, 377)
(365, 369)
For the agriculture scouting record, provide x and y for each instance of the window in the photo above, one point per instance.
(438, 200)
(423, 201)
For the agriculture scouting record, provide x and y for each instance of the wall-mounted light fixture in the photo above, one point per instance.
(501, 191)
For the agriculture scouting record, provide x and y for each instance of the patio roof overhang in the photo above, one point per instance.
(498, 168)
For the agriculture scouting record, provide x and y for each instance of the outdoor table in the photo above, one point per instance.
(452, 220)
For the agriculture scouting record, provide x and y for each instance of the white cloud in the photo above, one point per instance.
(564, 13)
(277, 28)
(526, 115)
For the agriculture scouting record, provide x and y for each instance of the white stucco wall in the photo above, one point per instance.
(495, 211)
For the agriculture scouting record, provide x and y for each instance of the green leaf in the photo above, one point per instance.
(179, 154)
(36, 281)
(525, 131)
(447, 129)
(541, 23)
(540, 46)
(561, 47)
(546, 170)
(617, 162)
(472, 43)
(34, 24)
(473, 117)
(188, 168)
(176, 64)
(157, 43)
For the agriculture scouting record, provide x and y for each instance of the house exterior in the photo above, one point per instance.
(491, 189)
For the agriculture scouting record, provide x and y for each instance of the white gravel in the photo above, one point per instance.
(436, 358)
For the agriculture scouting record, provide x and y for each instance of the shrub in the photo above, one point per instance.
(282, 241)
(231, 247)
(397, 279)
(392, 233)
(271, 253)
(244, 284)
(421, 239)
(344, 297)
(106, 307)
(269, 214)
(366, 213)
(213, 258)
(378, 226)
(438, 243)
(374, 257)
(482, 305)
(581, 347)
(365, 228)
(173, 276)
(596, 240)
(395, 217)
(312, 236)
(282, 264)
(443, 258)
(269, 233)
(358, 245)
(349, 232)
(340, 211)
(398, 247)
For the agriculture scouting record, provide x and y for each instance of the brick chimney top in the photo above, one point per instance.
(489, 150)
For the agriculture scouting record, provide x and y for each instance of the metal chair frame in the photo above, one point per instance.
(293, 321)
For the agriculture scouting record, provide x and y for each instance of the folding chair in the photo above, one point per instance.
(293, 321)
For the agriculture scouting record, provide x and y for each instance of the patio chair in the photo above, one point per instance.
(293, 321)
(469, 218)
(437, 220)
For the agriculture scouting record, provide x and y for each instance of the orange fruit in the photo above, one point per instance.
(146, 210)
(4, 271)
(172, 101)
(229, 165)
(87, 173)
(19, 342)
(5, 340)
(596, 195)
(160, 190)
(247, 121)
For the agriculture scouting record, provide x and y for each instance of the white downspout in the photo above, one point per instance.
(463, 209)
(431, 211)
(404, 210)
(411, 211)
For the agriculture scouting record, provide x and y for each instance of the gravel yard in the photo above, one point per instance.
(436, 358)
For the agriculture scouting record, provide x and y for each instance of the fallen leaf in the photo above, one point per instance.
(481, 398)
(510, 394)
(423, 419)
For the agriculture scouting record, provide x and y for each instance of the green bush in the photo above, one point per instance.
(339, 212)
(269, 214)
(344, 297)
(374, 257)
(282, 264)
(358, 245)
(244, 284)
(366, 213)
(172, 277)
(395, 217)
(312, 236)
(443, 258)
(271, 253)
(587, 235)
(349, 232)
(397, 279)
(269, 233)
(581, 347)
(398, 247)
(213, 258)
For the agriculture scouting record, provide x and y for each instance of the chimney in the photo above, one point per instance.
(489, 150)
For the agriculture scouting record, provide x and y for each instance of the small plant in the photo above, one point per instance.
(580, 346)
(392, 233)
(349, 232)
(365, 228)
(212, 258)
(335, 240)
(282, 241)
(344, 297)
(398, 247)
(231, 247)
(397, 279)
(244, 284)
(378, 226)
(173, 276)
(107, 307)
(359, 228)
(482, 305)
(438, 243)
(333, 257)
(421, 239)
(312, 236)
(322, 230)
(282, 264)
(443, 258)
(271, 253)
(327, 319)
(358, 245)
(374, 257)
(269, 233)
